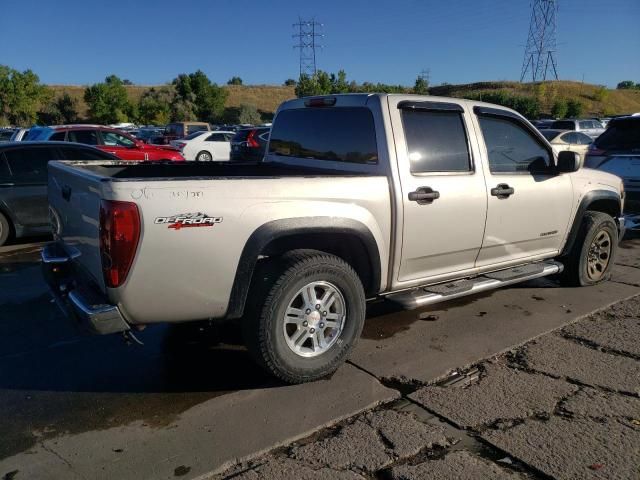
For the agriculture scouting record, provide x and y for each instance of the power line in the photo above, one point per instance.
(539, 54)
(308, 31)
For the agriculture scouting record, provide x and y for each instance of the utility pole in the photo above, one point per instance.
(308, 31)
(425, 74)
(539, 54)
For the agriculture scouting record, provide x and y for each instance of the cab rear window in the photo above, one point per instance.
(621, 134)
(332, 134)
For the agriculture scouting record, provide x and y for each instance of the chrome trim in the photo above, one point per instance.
(103, 318)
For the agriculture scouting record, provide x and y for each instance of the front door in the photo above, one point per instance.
(443, 190)
(529, 205)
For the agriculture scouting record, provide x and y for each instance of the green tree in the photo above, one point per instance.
(21, 93)
(249, 114)
(108, 101)
(559, 108)
(60, 110)
(155, 106)
(290, 82)
(126, 81)
(626, 85)
(235, 81)
(339, 82)
(421, 87)
(197, 95)
(574, 108)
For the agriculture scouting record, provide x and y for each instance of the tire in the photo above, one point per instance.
(204, 156)
(291, 348)
(5, 229)
(591, 257)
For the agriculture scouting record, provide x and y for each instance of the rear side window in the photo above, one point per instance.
(623, 135)
(88, 137)
(333, 134)
(29, 165)
(563, 125)
(436, 141)
(57, 137)
(77, 153)
(511, 148)
(216, 137)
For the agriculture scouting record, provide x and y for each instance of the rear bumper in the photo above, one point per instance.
(80, 301)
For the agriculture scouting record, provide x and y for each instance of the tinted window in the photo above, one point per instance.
(621, 134)
(564, 125)
(79, 153)
(549, 134)
(570, 137)
(88, 137)
(5, 135)
(196, 128)
(336, 134)
(586, 124)
(113, 139)
(216, 137)
(29, 165)
(511, 148)
(58, 137)
(194, 135)
(436, 141)
(582, 139)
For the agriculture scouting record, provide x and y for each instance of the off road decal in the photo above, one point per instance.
(188, 220)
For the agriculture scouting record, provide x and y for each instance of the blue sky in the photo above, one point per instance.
(150, 42)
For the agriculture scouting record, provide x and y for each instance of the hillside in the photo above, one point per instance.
(267, 97)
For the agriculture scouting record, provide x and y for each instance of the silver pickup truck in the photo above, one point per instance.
(416, 199)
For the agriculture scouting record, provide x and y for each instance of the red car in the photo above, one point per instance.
(116, 142)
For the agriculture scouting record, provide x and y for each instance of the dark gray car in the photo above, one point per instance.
(23, 183)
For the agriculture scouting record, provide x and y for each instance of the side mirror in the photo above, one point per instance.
(568, 162)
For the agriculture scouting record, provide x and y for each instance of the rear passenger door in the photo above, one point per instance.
(27, 200)
(529, 205)
(218, 145)
(444, 197)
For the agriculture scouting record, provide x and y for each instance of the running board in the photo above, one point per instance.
(442, 292)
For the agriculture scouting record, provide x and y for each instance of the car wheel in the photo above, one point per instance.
(5, 229)
(591, 257)
(203, 157)
(306, 315)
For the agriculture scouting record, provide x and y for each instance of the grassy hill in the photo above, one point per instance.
(266, 98)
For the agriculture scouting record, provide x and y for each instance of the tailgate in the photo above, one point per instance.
(74, 200)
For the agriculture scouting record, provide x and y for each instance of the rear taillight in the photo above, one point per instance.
(119, 235)
(251, 140)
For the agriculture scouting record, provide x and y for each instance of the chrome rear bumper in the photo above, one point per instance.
(79, 300)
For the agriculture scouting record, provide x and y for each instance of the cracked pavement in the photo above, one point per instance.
(533, 381)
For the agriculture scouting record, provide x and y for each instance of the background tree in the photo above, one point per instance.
(290, 82)
(61, 110)
(421, 87)
(21, 94)
(559, 109)
(574, 108)
(248, 113)
(108, 101)
(126, 81)
(235, 81)
(196, 94)
(155, 106)
(626, 85)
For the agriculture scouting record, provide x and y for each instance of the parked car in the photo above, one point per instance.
(147, 134)
(6, 134)
(19, 134)
(113, 141)
(410, 198)
(593, 128)
(542, 124)
(249, 144)
(205, 146)
(178, 130)
(23, 183)
(567, 140)
(617, 151)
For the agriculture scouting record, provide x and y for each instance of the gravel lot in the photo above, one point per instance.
(565, 405)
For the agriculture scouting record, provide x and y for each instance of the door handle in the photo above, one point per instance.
(423, 195)
(502, 191)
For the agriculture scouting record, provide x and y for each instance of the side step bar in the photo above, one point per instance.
(442, 292)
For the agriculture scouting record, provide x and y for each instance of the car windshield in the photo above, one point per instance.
(195, 134)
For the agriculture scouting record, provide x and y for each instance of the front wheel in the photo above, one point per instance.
(591, 258)
(307, 315)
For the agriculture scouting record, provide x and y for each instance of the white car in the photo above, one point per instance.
(205, 146)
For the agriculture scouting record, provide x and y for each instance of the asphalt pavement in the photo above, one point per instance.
(185, 405)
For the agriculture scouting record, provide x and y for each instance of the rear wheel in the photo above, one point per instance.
(203, 157)
(307, 314)
(591, 257)
(5, 229)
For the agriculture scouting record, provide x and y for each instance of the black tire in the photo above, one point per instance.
(5, 229)
(275, 284)
(201, 154)
(578, 270)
